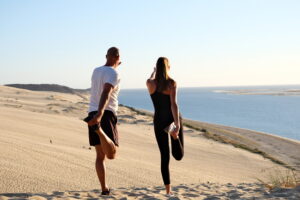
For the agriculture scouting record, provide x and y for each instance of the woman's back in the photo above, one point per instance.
(162, 107)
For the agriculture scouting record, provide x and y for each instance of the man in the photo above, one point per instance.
(102, 118)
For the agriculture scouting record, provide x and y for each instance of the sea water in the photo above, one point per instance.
(278, 115)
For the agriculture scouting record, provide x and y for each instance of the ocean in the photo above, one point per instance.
(278, 115)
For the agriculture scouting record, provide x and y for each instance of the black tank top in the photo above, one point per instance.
(162, 110)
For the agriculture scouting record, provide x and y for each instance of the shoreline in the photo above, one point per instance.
(147, 112)
(225, 135)
(246, 129)
(150, 113)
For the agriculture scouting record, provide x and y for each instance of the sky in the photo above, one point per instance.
(208, 43)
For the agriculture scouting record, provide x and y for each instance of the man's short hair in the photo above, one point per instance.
(113, 51)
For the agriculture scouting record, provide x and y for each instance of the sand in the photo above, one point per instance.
(45, 155)
(281, 149)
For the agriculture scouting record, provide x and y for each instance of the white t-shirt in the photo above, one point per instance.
(102, 75)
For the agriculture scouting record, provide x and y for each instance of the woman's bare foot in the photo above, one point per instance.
(174, 135)
(168, 190)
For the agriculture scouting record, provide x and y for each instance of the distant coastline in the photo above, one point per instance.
(273, 92)
(48, 87)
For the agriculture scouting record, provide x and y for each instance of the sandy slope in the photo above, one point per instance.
(283, 149)
(44, 148)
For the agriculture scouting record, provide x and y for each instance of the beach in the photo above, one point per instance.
(45, 155)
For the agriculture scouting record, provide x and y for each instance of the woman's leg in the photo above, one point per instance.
(177, 145)
(162, 139)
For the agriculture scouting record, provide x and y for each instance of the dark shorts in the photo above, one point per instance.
(109, 126)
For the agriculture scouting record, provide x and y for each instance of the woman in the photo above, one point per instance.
(163, 91)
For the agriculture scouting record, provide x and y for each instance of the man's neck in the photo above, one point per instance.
(110, 65)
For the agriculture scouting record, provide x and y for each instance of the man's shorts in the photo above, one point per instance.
(108, 124)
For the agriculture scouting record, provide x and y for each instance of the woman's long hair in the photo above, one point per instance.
(164, 81)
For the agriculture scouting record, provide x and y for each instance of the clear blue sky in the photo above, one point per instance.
(209, 43)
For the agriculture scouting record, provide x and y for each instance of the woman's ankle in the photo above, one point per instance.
(168, 189)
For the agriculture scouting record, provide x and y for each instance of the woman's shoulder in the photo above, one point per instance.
(151, 82)
(151, 85)
(172, 83)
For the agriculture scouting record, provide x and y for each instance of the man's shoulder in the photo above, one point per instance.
(106, 68)
(104, 71)
(99, 68)
(110, 70)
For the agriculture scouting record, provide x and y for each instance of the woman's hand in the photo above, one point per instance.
(175, 132)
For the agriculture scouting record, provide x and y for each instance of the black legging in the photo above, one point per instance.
(162, 139)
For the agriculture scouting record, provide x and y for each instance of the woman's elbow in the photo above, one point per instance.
(174, 105)
(148, 81)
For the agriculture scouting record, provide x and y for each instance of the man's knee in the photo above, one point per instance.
(100, 158)
(112, 155)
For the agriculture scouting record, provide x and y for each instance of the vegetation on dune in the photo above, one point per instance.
(280, 179)
(225, 140)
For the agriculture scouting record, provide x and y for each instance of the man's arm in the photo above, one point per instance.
(107, 89)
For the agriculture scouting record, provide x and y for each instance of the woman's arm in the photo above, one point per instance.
(152, 77)
(174, 106)
(149, 82)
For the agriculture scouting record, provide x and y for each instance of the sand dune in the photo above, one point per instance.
(45, 155)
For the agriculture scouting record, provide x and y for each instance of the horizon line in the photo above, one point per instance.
(217, 86)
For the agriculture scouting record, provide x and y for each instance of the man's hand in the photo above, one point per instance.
(96, 120)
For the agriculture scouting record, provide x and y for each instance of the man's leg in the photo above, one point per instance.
(100, 166)
(108, 147)
(108, 134)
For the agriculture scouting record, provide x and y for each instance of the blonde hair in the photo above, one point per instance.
(162, 77)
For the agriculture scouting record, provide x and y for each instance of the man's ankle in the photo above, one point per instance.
(105, 189)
